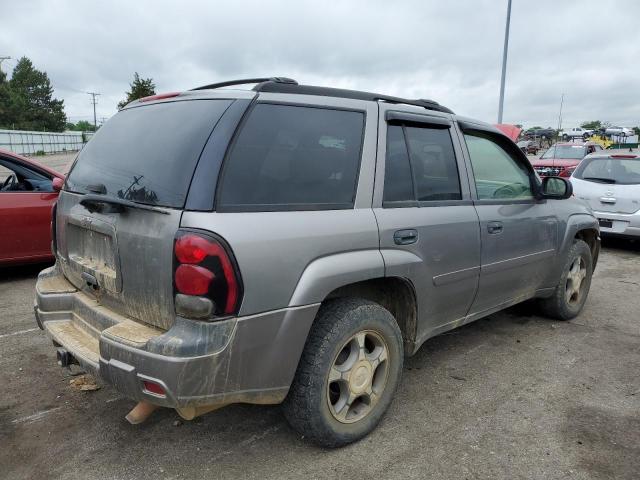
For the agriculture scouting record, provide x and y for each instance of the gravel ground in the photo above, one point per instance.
(60, 161)
(512, 396)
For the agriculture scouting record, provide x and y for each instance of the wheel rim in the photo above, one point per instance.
(358, 376)
(575, 281)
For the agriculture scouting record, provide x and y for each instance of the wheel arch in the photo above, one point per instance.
(591, 236)
(580, 226)
(396, 294)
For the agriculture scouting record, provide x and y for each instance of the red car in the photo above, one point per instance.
(563, 158)
(28, 192)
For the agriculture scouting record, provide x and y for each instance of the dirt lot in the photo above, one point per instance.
(510, 396)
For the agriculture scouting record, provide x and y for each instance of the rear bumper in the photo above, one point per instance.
(248, 359)
(627, 225)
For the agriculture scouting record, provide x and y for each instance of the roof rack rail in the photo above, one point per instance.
(287, 87)
(246, 81)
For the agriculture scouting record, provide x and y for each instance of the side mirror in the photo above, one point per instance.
(57, 184)
(556, 188)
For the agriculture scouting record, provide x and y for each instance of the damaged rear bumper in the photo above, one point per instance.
(249, 359)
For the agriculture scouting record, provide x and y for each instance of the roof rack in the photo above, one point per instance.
(246, 81)
(288, 85)
(280, 87)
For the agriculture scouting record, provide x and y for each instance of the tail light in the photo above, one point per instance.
(205, 276)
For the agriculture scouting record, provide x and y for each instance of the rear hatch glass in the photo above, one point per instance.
(147, 154)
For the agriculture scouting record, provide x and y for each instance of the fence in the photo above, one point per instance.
(30, 143)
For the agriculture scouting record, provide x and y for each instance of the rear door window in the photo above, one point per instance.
(293, 158)
(398, 183)
(147, 154)
(420, 165)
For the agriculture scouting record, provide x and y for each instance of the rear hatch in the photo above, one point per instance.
(609, 184)
(122, 202)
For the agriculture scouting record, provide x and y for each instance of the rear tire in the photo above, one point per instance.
(348, 373)
(571, 292)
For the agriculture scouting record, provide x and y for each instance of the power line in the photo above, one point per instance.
(94, 101)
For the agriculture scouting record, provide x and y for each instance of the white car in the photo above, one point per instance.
(619, 131)
(577, 132)
(610, 184)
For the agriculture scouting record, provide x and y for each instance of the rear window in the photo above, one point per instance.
(147, 154)
(293, 158)
(610, 170)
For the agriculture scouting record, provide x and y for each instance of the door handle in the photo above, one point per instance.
(609, 200)
(405, 237)
(494, 227)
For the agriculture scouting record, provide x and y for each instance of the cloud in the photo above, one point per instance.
(448, 51)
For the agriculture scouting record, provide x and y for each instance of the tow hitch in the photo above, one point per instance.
(65, 359)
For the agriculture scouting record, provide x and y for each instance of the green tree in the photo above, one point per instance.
(84, 126)
(141, 87)
(32, 106)
(636, 130)
(592, 125)
(5, 102)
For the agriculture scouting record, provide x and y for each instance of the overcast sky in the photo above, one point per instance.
(449, 51)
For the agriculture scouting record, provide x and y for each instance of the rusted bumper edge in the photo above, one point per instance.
(250, 359)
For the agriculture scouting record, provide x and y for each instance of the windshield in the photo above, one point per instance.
(573, 152)
(623, 171)
(147, 154)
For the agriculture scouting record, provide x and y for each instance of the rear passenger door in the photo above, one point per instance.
(518, 232)
(429, 230)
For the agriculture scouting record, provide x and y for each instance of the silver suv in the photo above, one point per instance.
(292, 244)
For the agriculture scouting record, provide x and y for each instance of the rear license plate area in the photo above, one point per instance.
(93, 252)
(605, 222)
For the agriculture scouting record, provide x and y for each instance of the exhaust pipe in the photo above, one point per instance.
(65, 359)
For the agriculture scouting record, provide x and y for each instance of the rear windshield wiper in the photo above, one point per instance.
(96, 203)
(600, 179)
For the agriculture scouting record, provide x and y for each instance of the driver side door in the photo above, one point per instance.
(518, 233)
(25, 216)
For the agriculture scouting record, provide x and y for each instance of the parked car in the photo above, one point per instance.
(28, 191)
(546, 133)
(610, 184)
(528, 146)
(619, 131)
(293, 244)
(563, 158)
(573, 133)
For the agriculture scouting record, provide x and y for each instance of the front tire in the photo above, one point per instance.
(348, 374)
(571, 292)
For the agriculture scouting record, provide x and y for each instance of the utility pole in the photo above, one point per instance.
(555, 145)
(93, 100)
(504, 62)
(2, 59)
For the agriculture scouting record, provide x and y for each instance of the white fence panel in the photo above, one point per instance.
(29, 143)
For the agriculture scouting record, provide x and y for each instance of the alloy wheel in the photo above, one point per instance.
(358, 376)
(575, 281)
